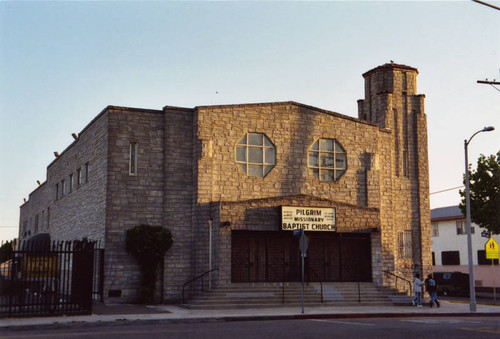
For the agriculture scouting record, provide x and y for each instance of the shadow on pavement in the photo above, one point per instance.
(104, 309)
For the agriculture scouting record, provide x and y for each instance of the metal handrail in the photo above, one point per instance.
(320, 281)
(194, 279)
(398, 277)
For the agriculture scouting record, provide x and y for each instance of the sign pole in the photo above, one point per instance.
(492, 253)
(493, 273)
(302, 255)
(494, 284)
(210, 253)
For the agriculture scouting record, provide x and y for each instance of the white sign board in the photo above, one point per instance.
(308, 219)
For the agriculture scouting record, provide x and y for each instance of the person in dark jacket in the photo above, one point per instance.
(431, 288)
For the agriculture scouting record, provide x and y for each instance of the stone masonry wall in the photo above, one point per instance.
(392, 102)
(132, 200)
(265, 215)
(179, 190)
(292, 128)
(79, 212)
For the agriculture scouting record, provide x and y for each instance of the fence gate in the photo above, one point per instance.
(48, 278)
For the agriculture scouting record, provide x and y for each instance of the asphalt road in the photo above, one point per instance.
(466, 327)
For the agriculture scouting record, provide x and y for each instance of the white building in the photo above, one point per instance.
(449, 246)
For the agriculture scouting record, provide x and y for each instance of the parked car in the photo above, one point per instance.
(7, 271)
(452, 283)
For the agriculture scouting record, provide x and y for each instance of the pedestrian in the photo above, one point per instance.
(417, 287)
(431, 287)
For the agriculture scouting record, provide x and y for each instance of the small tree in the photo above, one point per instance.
(6, 251)
(148, 244)
(485, 193)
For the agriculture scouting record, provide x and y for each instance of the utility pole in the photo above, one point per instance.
(488, 82)
(491, 83)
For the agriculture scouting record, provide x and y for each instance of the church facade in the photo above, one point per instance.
(233, 182)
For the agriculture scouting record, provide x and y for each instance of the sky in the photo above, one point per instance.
(61, 63)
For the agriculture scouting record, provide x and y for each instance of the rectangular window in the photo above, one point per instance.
(87, 172)
(57, 191)
(405, 244)
(401, 244)
(78, 177)
(435, 229)
(63, 190)
(71, 182)
(405, 164)
(450, 258)
(48, 217)
(462, 228)
(133, 159)
(408, 244)
(433, 259)
(396, 140)
(481, 258)
(37, 220)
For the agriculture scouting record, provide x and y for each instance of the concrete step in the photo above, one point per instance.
(265, 295)
(287, 304)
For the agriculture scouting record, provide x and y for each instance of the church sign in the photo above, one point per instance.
(308, 219)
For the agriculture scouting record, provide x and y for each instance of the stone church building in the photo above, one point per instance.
(232, 182)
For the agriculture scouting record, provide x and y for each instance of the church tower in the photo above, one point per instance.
(392, 102)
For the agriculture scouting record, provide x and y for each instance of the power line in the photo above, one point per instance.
(495, 88)
(486, 4)
(448, 189)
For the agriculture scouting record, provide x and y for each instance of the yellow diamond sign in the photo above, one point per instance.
(491, 249)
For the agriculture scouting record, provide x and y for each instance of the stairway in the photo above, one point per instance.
(270, 295)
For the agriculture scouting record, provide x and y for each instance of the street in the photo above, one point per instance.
(450, 327)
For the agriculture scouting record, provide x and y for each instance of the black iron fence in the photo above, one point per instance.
(44, 278)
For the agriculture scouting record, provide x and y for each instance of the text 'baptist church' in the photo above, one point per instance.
(308, 219)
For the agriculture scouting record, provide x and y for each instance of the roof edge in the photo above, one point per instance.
(391, 65)
(106, 109)
(294, 103)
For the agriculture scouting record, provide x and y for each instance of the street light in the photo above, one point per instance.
(472, 289)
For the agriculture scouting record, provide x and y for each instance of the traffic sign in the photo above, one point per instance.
(298, 233)
(485, 234)
(491, 249)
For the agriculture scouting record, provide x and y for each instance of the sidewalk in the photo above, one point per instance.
(126, 313)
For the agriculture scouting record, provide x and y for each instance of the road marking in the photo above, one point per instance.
(341, 322)
(482, 329)
(440, 321)
(90, 334)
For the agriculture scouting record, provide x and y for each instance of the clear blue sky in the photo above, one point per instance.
(61, 63)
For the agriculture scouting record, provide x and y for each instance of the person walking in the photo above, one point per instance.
(417, 287)
(431, 288)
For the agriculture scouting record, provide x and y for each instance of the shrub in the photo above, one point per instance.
(6, 251)
(148, 244)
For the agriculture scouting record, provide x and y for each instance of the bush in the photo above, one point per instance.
(6, 251)
(148, 244)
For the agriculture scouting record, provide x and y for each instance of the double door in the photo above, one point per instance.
(275, 257)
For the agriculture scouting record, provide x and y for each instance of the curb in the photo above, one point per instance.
(124, 322)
